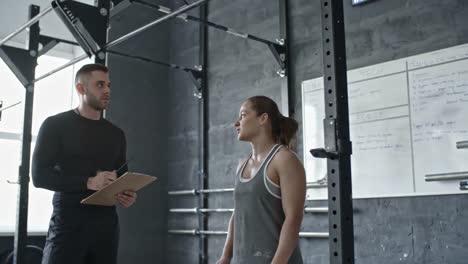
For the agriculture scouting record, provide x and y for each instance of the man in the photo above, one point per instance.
(78, 152)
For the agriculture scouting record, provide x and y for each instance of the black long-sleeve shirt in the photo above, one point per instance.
(70, 149)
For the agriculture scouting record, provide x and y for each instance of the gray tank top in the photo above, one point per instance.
(258, 217)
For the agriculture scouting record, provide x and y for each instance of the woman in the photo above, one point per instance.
(270, 189)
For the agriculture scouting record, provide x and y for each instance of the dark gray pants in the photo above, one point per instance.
(82, 236)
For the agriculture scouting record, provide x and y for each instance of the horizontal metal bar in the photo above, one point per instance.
(64, 41)
(314, 234)
(183, 232)
(159, 8)
(314, 185)
(27, 24)
(217, 210)
(201, 210)
(230, 31)
(11, 136)
(196, 232)
(117, 9)
(196, 192)
(10, 106)
(75, 60)
(208, 232)
(30, 234)
(316, 210)
(211, 232)
(462, 144)
(447, 176)
(183, 192)
(170, 65)
(183, 210)
(216, 190)
(157, 21)
(230, 210)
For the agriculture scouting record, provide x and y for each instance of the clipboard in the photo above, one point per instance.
(128, 181)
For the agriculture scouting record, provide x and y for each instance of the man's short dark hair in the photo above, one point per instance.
(87, 69)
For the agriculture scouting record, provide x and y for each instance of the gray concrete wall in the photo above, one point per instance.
(183, 139)
(139, 107)
(158, 111)
(391, 230)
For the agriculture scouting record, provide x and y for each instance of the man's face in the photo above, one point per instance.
(96, 90)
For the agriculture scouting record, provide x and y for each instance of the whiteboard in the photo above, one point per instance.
(405, 118)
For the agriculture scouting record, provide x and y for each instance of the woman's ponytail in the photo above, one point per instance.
(287, 130)
(283, 128)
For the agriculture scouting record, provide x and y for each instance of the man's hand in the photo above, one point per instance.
(101, 180)
(126, 198)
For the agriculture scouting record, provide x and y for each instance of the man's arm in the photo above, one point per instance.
(45, 171)
(293, 190)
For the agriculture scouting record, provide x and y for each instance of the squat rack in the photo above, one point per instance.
(89, 25)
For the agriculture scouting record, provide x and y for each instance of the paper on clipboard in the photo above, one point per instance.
(128, 181)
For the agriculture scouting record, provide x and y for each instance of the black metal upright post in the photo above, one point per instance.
(104, 10)
(101, 56)
(287, 88)
(23, 191)
(337, 141)
(203, 133)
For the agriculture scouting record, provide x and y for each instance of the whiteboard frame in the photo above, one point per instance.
(421, 61)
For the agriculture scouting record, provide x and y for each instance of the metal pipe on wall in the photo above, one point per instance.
(26, 25)
(216, 190)
(157, 21)
(125, 37)
(463, 175)
(221, 190)
(70, 63)
(197, 232)
(230, 210)
(462, 144)
(184, 192)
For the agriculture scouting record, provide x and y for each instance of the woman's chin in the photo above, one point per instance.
(241, 138)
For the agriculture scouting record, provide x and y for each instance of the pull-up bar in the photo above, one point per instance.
(170, 65)
(75, 60)
(157, 21)
(127, 36)
(7, 107)
(26, 25)
(228, 30)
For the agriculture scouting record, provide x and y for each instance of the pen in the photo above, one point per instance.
(123, 165)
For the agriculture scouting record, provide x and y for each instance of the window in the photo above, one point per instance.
(52, 95)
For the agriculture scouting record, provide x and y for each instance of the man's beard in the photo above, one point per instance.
(95, 103)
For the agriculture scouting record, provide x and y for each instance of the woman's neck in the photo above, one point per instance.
(261, 147)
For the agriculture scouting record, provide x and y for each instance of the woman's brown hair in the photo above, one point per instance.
(283, 128)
